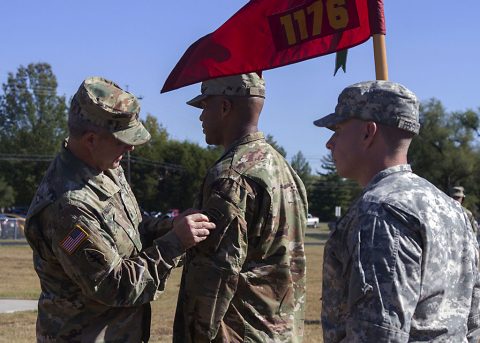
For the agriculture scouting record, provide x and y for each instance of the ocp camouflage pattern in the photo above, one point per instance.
(101, 292)
(239, 85)
(104, 104)
(246, 282)
(401, 266)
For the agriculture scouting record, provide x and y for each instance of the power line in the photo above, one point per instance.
(28, 158)
(48, 158)
(166, 165)
(23, 87)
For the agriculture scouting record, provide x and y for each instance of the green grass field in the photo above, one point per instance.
(19, 281)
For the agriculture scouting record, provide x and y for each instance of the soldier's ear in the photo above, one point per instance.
(370, 130)
(227, 105)
(90, 140)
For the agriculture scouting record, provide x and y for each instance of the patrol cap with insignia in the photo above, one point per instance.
(383, 102)
(250, 84)
(105, 104)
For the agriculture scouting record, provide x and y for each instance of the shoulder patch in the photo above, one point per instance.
(74, 239)
(213, 214)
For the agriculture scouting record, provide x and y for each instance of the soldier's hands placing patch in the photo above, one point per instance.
(192, 229)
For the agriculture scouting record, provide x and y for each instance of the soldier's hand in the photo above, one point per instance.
(186, 213)
(192, 229)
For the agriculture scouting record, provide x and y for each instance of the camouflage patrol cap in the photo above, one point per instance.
(105, 104)
(236, 85)
(383, 102)
(457, 192)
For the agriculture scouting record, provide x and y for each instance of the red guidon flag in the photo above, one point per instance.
(266, 34)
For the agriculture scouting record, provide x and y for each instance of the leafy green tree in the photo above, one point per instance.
(179, 189)
(446, 152)
(7, 194)
(146, 168)
(330, 190)
(276, 146)
(300, 164)
(168, 173)
(33, 120)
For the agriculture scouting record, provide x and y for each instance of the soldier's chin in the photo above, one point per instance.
(210, 141)
(116, 163)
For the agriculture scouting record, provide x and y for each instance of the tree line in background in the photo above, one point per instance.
(167, 173)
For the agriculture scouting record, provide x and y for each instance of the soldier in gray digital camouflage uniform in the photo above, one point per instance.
(246, 282)
(458, 194)
(99, 264)
(401, 265)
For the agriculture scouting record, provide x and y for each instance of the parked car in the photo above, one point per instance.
(156, 214)
(11, 226)
(313, 221)
(173, 212)
(20, 211)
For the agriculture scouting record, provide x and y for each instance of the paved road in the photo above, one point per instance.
(15, 305)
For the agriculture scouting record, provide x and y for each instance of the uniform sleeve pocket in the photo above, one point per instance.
(221, 212)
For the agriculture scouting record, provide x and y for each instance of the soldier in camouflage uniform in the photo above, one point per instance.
(458, 194)
(401, 265)
(246, 282)
(99, 264)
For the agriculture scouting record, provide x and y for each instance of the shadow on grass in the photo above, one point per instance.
(22, 241)
(316, 238)
(318, 235)
(312, 321)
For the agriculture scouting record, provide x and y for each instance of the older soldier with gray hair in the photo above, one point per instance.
(98, 262)
(402, 264)
(246, 282)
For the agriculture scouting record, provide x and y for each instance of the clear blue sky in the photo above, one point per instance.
(432, 47)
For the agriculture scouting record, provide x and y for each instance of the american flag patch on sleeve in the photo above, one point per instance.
(74, 239)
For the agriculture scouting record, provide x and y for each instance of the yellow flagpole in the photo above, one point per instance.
(380, 56)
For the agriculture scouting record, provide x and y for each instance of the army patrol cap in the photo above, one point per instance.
(457, 192)
(105, 104)
(383, 102)
(236, 85)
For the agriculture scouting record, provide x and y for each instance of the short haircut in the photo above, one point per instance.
(395, 138)
(78, 126)
(244, 102)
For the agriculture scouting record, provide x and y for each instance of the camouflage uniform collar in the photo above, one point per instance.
(386, 172)
(83, 173)
(250, 137)
(104, 184)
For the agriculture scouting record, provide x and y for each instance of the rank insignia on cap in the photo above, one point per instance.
(74, 239)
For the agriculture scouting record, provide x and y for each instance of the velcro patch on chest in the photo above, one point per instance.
(74, 239)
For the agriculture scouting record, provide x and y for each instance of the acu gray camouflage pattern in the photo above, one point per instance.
(458, 191)
(473, 221)
(246, 281)
(401, 266)
(383, 102)
(101, 292)
(104, 104)
(236, 85)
